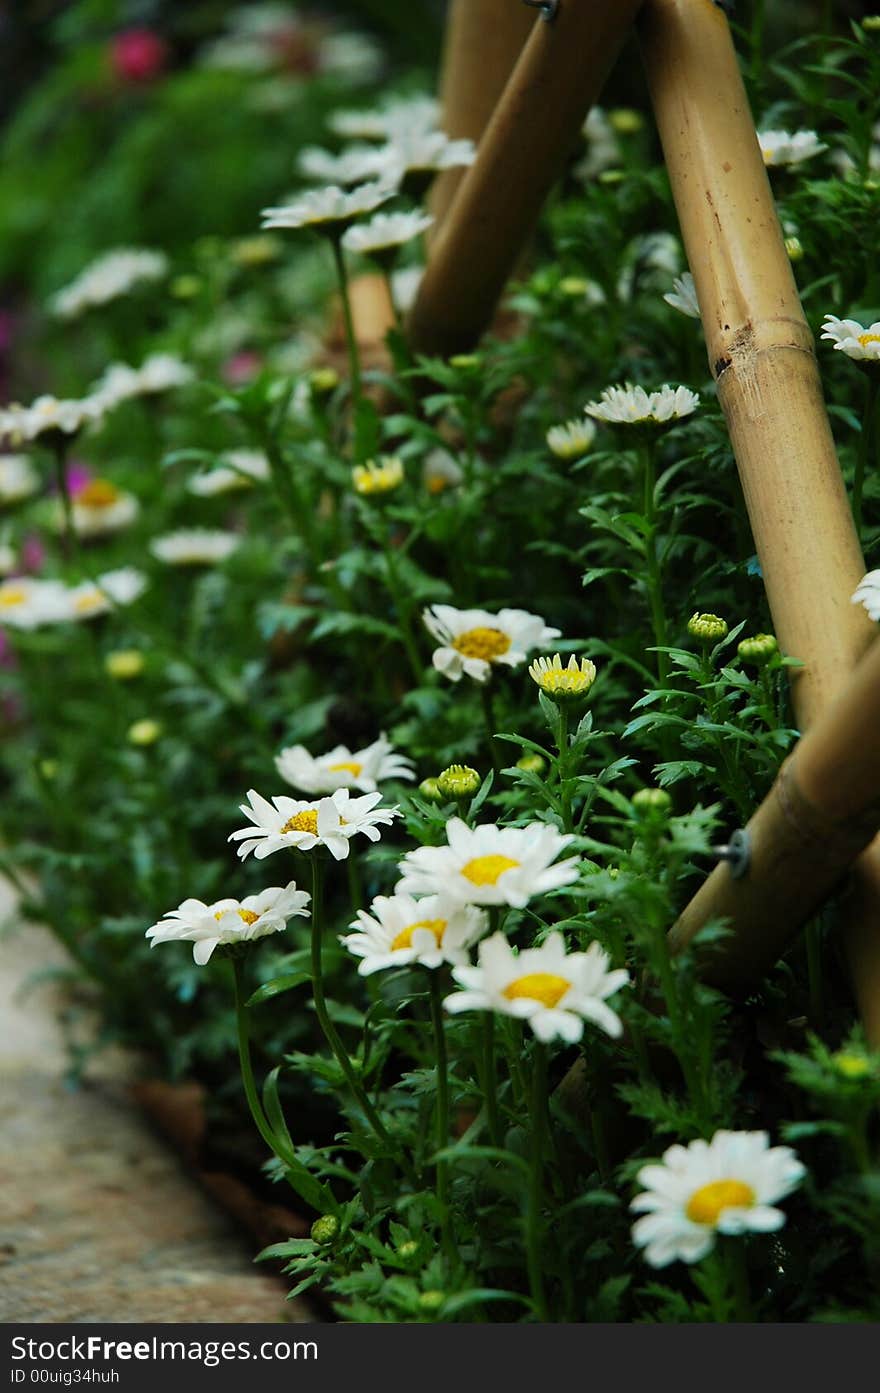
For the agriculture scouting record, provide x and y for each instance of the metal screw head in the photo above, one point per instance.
(549, 8)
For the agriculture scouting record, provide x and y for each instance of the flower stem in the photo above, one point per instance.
(59, 455)
(401, 605)
(871, 391)
(331, 1034)
(490, 1079)
(348, 320)
(442, 1105)
(536, 1183)
(738, 1274)
(244, 1055)
(489, 719)
(652, 559)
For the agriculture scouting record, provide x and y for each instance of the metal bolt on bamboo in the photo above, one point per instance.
(762, 358)
(822, 811)
(536, 122)
(483, 40)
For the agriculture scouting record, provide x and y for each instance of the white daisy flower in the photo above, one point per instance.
(424, 152)
(49, 413)
(729, 1185)
(194, 546)
(683, 296)
(111, 590)
(405, 286)
(385, 232)
(341, 767)
(242, 469)
(867, 593)
(789, 147)
(490, 864)
(553, 990)
(852, 338)
(400, 930)
(473, 640)
(18, 479)
(440, 472)
(416, 115)
(28, 604)
(603, 148)
(286, 823)
(352, 166)
(571, 440)
(633, 406)
(206, 926)
(648, 262)
(113, 274)
(330, 209)
(158, 373)
(100, 508)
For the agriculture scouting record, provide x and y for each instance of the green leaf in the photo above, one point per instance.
(277, 986)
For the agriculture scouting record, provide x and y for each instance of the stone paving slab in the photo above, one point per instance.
(98, 1221)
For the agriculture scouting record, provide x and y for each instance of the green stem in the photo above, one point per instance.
(244, 1055)
(654, 578)
(536, 1182)
(490, 1079)
(331, 1034)
(813, 941)
(871, 390)
(398, 595)
(489, 719)
(59, 456)
(348, 320)
(442, 1105)
(738, 1274)
(562, 768)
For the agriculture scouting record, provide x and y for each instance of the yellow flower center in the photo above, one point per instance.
(306, 821)
(768, 156)
(91, 599)
(486, 870)
(97, 493)
(246, 915)
(15, 595)
(348, 766)
(487, 644)
(404, 939)
(706, 1204)
(545, 987)
(865, 339)
(436, 483)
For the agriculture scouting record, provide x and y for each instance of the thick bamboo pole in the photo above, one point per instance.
(536, 122)
(483, 40)
(823, 809)
(762, 358)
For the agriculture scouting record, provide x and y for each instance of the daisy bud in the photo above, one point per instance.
(325, 1229)
(758, 650)
(871, 23)
(407, 1249)
(651, 802)
(532, 764)
(708, 628)
(144, 732)
(458, 781)
(465, 362)
(323, 381)
(612, 176)
(794, 248)
(625, 120)
(255, 251)
(49, 768)
(185, 287)
(852, 1066)
(372, 479)
(574, 286)
(431, 1300)
(563, 684)
(430, 790)
(124, 663)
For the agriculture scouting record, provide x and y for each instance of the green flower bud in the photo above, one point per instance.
(575, 286)
(648, 801)
(708, 628)
(186, 287)
(612, 176)
(459, 781)
(325, 1229)
(794, 248)
(625, 120)
(432, 1300)
(124, 664)
(465, 362)
(532, 764)
(323, 381)
(430, 790)
(408, 1249)
(871, 23)
(852, 1066)
(145, 732)
(758, 650)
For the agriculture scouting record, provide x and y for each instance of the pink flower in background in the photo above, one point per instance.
(78, 475)
(138, 55)
(242, 367)
(33, 553)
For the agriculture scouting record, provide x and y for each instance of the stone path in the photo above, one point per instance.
(98, 1221)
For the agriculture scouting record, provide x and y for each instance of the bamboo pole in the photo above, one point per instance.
(483, 40)
(762, 358)
(821, 812)
(536, 122)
